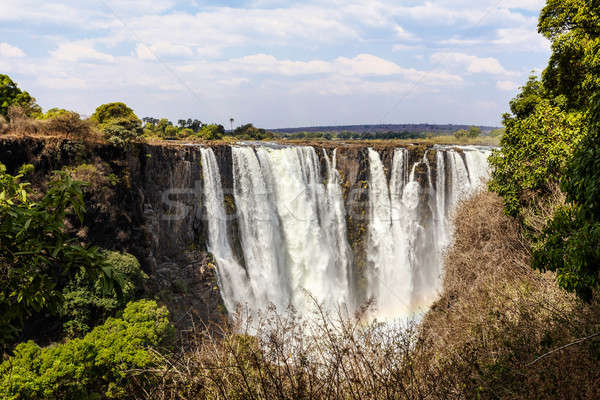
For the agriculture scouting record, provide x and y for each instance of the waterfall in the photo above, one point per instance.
(231, 276)
(293, 237)
(292, 227)
(409, 225)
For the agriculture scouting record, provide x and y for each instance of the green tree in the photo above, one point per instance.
(474, 131)
(96, 366)
(11, 95)
(118, 122)
(573, 72)
(106, 113)
(570, 244)
(88, 303)
(212, 132)
(552, 137)
(37, 256)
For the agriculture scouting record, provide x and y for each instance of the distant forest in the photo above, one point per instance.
(412, 128)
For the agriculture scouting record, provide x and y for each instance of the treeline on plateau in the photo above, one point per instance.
(114, 122)
(501, 329)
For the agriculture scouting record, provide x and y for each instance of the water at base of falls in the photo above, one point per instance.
(293, 235)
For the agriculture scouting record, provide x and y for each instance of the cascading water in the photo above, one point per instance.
(293, 234)
(231, 275)
(291, 228)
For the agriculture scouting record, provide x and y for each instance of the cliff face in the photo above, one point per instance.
(153, 208)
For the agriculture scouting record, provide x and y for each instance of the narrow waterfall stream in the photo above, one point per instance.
(293, 236)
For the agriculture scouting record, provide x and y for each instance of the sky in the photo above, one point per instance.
(276, 63)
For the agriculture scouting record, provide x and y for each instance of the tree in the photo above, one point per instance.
(118, 122)
(571, 241)
(460, 134)
(86, 303)
(474, 131)
(94, 367)
(106, 113)
(231, 123)
(552, 137)
(573, 72)
(37, 255)
(11, 95)
(212, 132)
(527, 99)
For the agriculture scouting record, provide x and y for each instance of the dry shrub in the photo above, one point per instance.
(71, 125)
(67, 125)
(288, 357)
(4, 126)
(496, 315)
(20, 123)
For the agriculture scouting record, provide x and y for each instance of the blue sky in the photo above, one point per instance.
(276, 63)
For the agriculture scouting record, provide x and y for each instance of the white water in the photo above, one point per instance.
(231, 276)
(293, 234)
(292, 228)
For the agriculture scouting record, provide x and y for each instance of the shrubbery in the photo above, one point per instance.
(95, 366)
(37, 256)
(118, 122)
(86, 304)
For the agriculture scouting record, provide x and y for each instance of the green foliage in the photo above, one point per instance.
(11, 95)
(530, 95)
(212, 132)
(54, 112)
(92, 367)
(248, 131)
(553, 137)
(118, 122)
(533, 155)
(170, 132)
(37, 256)
(573, 72)
(88, 303)
(107, 113)
(474, 131)
(570, 244)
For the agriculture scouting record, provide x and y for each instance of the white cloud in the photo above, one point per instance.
(264, 63)
(367, 64)
(9, 51)
(362, 65)
(234, 82)
(507, 86)
(473, 64)
(80, 52)
(522, 39)
(455, 41)
(162, 49)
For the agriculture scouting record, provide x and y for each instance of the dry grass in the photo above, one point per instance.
(68, 126)
(496, 315)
